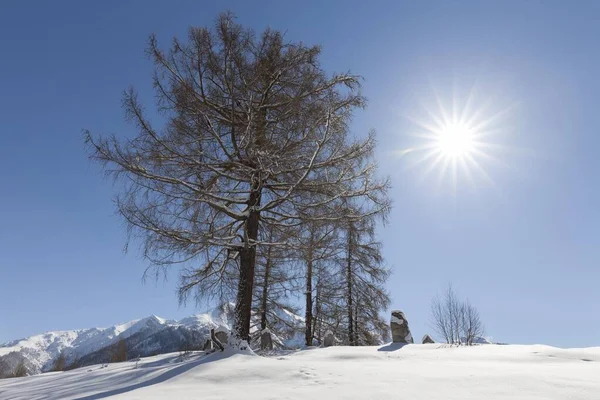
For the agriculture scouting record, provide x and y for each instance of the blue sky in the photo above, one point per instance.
(521, 245)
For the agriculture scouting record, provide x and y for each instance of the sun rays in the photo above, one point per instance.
(456, 141)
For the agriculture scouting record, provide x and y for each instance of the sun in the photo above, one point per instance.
(455, 140)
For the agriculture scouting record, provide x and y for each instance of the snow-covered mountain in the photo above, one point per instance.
(142, 337)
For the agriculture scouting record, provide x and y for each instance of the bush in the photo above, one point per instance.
(20, 371)
(60, 364)
(119, 352)
(4, 370)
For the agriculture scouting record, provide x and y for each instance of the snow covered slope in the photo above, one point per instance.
(143, 337)
(412, 372)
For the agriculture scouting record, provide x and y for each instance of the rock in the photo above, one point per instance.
(427, 339)
(222, 335)
(208, 345)
(266, 341)
(399, 326)
(328, 339)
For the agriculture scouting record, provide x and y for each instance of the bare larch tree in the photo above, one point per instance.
(316, 245)
(276, 282)
(364, 275)
(327, 314)
(254, 133)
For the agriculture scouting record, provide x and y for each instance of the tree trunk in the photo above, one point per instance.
(243, 305)
(351, 339)
(317, 324)
(356, 331)
(308, 317)
(316, 327)
(350, 310)
(265, 292)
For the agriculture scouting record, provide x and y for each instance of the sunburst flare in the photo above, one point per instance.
(457, 140)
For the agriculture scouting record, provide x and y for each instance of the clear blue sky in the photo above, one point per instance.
(525, 249)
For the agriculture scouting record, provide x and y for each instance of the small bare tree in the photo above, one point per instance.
(445, 316)
(439, 319)
(455, 320)
(470, 323)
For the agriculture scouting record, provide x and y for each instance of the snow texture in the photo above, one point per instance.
(394, 371)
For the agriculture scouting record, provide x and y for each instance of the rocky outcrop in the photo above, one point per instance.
(266, 340)
(399, 326)
(427, 339)
(328, 339)
(222, 335)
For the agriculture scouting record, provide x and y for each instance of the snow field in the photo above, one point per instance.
(388, 372)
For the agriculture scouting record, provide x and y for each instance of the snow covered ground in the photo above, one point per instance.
(413, 372)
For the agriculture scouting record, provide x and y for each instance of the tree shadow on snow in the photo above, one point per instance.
(162, 362)
(392, 346)
(170, 373)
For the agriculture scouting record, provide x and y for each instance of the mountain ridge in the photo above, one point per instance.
(143, 337)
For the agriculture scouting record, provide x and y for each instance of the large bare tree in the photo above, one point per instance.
(253, 132)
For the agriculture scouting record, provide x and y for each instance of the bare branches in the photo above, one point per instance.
(456, 321)
(470, 323)
(252, 134)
